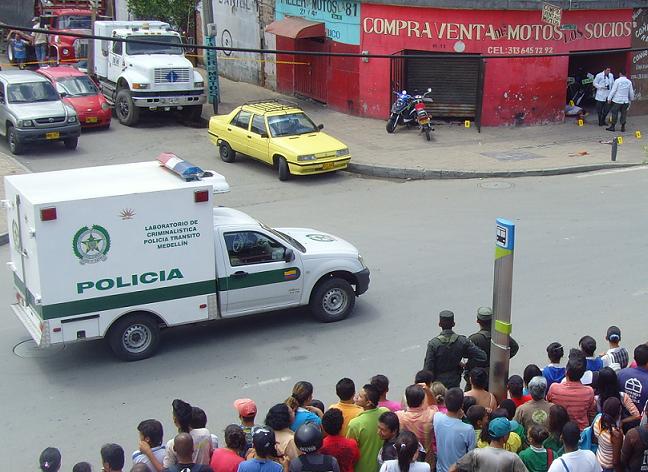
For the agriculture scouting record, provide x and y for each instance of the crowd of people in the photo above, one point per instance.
(581, 412)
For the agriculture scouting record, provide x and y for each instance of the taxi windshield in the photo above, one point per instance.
(78, 86)
(290, 124)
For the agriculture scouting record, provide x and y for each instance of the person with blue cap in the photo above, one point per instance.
(493, 458)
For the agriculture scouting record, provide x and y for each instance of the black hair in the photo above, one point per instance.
(641, 354)
(372, 394)
(622, 72)
(475, 414)
(485, 323)
(515, 385)
(182, 413)
(558, 417)
(414, 395)
(406, 447)
(198, 418)
(278, 417)
(318, 404)
(555, 352)
(608, 385)
(113, 455)
(446, 324)
(153, 430)
(345, 389)
(468, 402)
(588, 345)
(301, 392)
(390, 419)
(479, 378)
(454, 399)
(50, 460)
(381, 383)
(576, 365)
(82, 467)
(531, 371)
(332, 422)
(571, 435)
(537, 434)
(235, 438)
(610, 413)
(499, 412)
(508, 405)
(424, 376)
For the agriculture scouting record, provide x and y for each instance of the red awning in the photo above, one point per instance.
(297, 27)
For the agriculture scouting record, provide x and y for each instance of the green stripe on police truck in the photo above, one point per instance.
(259, 278)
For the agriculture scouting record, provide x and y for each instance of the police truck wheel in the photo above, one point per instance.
(332, 300)
(71, 143)
(125, 109)
(284, 171)
(134, 337)
(227, 154)
(15, 146)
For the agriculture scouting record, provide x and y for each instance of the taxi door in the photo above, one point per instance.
(258, 140)
(237, 132)
(261, 273)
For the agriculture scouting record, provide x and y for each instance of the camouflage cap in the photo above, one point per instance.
(484, 313)
(446, 315)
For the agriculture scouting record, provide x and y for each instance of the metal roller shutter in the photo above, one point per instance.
(455, 82)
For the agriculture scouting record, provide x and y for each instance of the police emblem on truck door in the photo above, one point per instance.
(91, 244)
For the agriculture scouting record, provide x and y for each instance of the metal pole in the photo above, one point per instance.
(502, 291)
(91, 42)
(615, 145)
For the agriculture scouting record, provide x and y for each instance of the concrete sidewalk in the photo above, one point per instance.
(459, 152)
(8, 166)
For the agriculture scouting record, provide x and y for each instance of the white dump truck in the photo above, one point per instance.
(136, 76)
(122, 251)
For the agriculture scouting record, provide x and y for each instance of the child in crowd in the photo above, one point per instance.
(345, 450)
(587, 345)
(478, 417)
(515, 387)
(439, 391)
(616, 356)
(558, 418)
(554, 372)
(19, 47)
(247, 411)
(536, 458)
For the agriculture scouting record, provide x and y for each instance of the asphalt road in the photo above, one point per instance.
(580, 265)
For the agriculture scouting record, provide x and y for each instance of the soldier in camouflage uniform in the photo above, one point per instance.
(446, 351)
(482, 339)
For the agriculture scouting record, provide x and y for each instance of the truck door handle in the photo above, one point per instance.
(239, 273)
(249, 137)
(229, 129)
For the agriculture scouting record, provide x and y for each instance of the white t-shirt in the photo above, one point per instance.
(139, 457)
(202, 448)
(577, 461)
(392, 466)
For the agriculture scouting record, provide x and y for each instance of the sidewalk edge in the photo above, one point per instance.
(438, 174)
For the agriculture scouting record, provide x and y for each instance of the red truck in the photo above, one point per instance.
(61, 16)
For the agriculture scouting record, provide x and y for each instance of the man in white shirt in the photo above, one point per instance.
(574, 459)
(620, 97)
(603, 84)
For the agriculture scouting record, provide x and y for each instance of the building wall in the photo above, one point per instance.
(532, 88)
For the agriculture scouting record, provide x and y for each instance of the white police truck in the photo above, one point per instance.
(122, 251)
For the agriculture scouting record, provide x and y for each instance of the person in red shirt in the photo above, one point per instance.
(227, 459)
(345, 450)
(515, 387)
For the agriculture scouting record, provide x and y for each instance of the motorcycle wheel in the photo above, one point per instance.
(427, 133)
(391, 124)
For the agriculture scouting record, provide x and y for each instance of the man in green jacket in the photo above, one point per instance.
(364, 428)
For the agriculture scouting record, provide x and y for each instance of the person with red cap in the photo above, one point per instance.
(247, 411)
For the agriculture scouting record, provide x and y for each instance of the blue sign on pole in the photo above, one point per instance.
(505, 234)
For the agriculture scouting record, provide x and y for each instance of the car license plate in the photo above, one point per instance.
(52, 135)
(328, 165)
(91, 119)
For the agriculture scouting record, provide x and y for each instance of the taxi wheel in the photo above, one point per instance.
(332, 300)
(227, 154)
(15, 146)
(284, 171)
(134, 337)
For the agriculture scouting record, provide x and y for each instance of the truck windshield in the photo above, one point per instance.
(31, 92)
(285, 237)
(134, 49)
(78, 86)
(290, 125)
(74, 22)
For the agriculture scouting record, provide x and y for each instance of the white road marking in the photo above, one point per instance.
(613, 171)
(638, 293)
(410, 348)
(261, 383)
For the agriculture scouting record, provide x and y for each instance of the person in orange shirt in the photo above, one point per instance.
(345, 390)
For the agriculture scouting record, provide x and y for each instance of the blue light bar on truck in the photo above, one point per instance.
(185, 169)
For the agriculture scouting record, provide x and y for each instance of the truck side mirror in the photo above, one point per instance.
(320, 127)
(264, 135)
(289, 255)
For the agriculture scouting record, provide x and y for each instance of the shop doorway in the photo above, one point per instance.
(457, 82)
(311, 78)
(581, 72)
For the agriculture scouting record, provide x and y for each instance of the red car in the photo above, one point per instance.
(79, 91)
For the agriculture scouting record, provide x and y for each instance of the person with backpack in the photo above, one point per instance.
(609, 435)
(407, 447)
(536, 457)
(183, 445)
(634, 452)
(308, 439)
(574, 459)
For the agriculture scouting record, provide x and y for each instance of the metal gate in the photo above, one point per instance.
(311, 79)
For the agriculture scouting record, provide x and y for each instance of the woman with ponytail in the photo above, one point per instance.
(50, 460)
(407, 447)
(610, 437)
(299, 402)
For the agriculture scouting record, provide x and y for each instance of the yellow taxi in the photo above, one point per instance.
(279, 134)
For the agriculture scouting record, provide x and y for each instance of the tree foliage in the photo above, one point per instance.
(178, 13)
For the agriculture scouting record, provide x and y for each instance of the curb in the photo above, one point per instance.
(434, 174)
(4, 239)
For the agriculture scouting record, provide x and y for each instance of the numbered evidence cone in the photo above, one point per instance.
(638, 134)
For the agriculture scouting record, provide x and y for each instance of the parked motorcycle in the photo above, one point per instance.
(410, 110)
